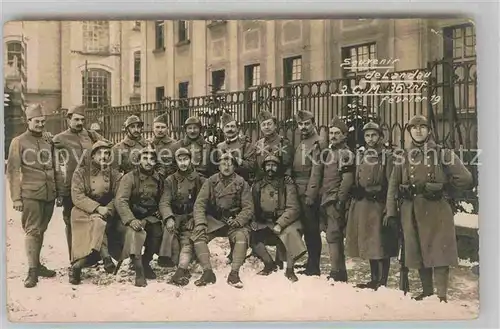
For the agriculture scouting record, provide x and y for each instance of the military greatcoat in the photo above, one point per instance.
(274, 145)
(276, 202)
(428, 225)
(165, 150)
(126, 153)
(93, 186)
(201, 154)
(241, 148)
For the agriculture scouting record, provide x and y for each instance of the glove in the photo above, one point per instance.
(136, 225)
(277, 229)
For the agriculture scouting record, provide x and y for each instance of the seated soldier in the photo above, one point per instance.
(137, 202)
(93, 188)
(176, 209)
(224, 208)
(276, 219)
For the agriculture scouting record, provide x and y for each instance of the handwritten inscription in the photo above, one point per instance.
(378, 79)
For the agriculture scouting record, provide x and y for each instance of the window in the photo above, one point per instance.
(159, 35)
(183, 90)
(160, 94)
(218, 80)
(252, 76)
(96, 36)
(15, 49)
(96, 88)
(292, 69)
(137, 68)
(292, 74)
(459, 42)
(357, 54)
(183, 31)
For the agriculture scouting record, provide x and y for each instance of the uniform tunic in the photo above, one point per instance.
(274, 145)
(33, 181)
(241, 148)
(178, 200)
(277, 203)
(138, 198)
(428, 226)
(165, 149)
(219, 195)
(201, 153)
(366, 237)
(126, 153)
(306, 169)
(91, 187)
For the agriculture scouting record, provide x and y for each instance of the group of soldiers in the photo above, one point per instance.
(171, 197)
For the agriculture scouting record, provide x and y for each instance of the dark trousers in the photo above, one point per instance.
(67, 205)
(312, 233)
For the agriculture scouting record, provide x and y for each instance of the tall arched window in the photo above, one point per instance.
(96, 84)
(95, 36)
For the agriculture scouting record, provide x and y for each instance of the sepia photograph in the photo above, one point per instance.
(241, 170)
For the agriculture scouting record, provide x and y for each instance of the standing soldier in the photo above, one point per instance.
(337, 178)
(74, 146)
(136, 202)
(164, 146)
(366, 237)
(93, 219)
(126, 153)
(306, 172)
(238, 146)
(224, 208)
(272, 144)
(277, 221)
(33, 188)
(422, 182)
(201, 151)
(176, 209)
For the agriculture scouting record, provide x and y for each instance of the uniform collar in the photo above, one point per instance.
(164, 140)
(190, 175)
(199, 140)
(95, 168)
(131, 142)
(226, 179)
(232, 140)
(144, 175)
(34, 133)
(274, 137)
(313, 135)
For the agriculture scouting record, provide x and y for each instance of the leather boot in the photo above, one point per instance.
(374, 277)
(338, 276)
(32, 278)
(427, 284)
(75, 275)
(180, 277)
(208, 277)
(140, 279)
(290, 275)
(109, 266)
(44, 272)
(148, 270)
(268, 269)
(233, 279)
(384, 266)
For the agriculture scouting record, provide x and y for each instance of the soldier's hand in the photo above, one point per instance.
(253, 225)
(97, 217)
(289, 179)
(309, 201)
(340, 206)
(233, 223)
(59, 201)
(136, 225)
(190, 224)
(103, 211)
(18, 205)
(170, 225)
(277, 229)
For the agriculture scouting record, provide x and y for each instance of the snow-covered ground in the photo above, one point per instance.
(103, 297)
